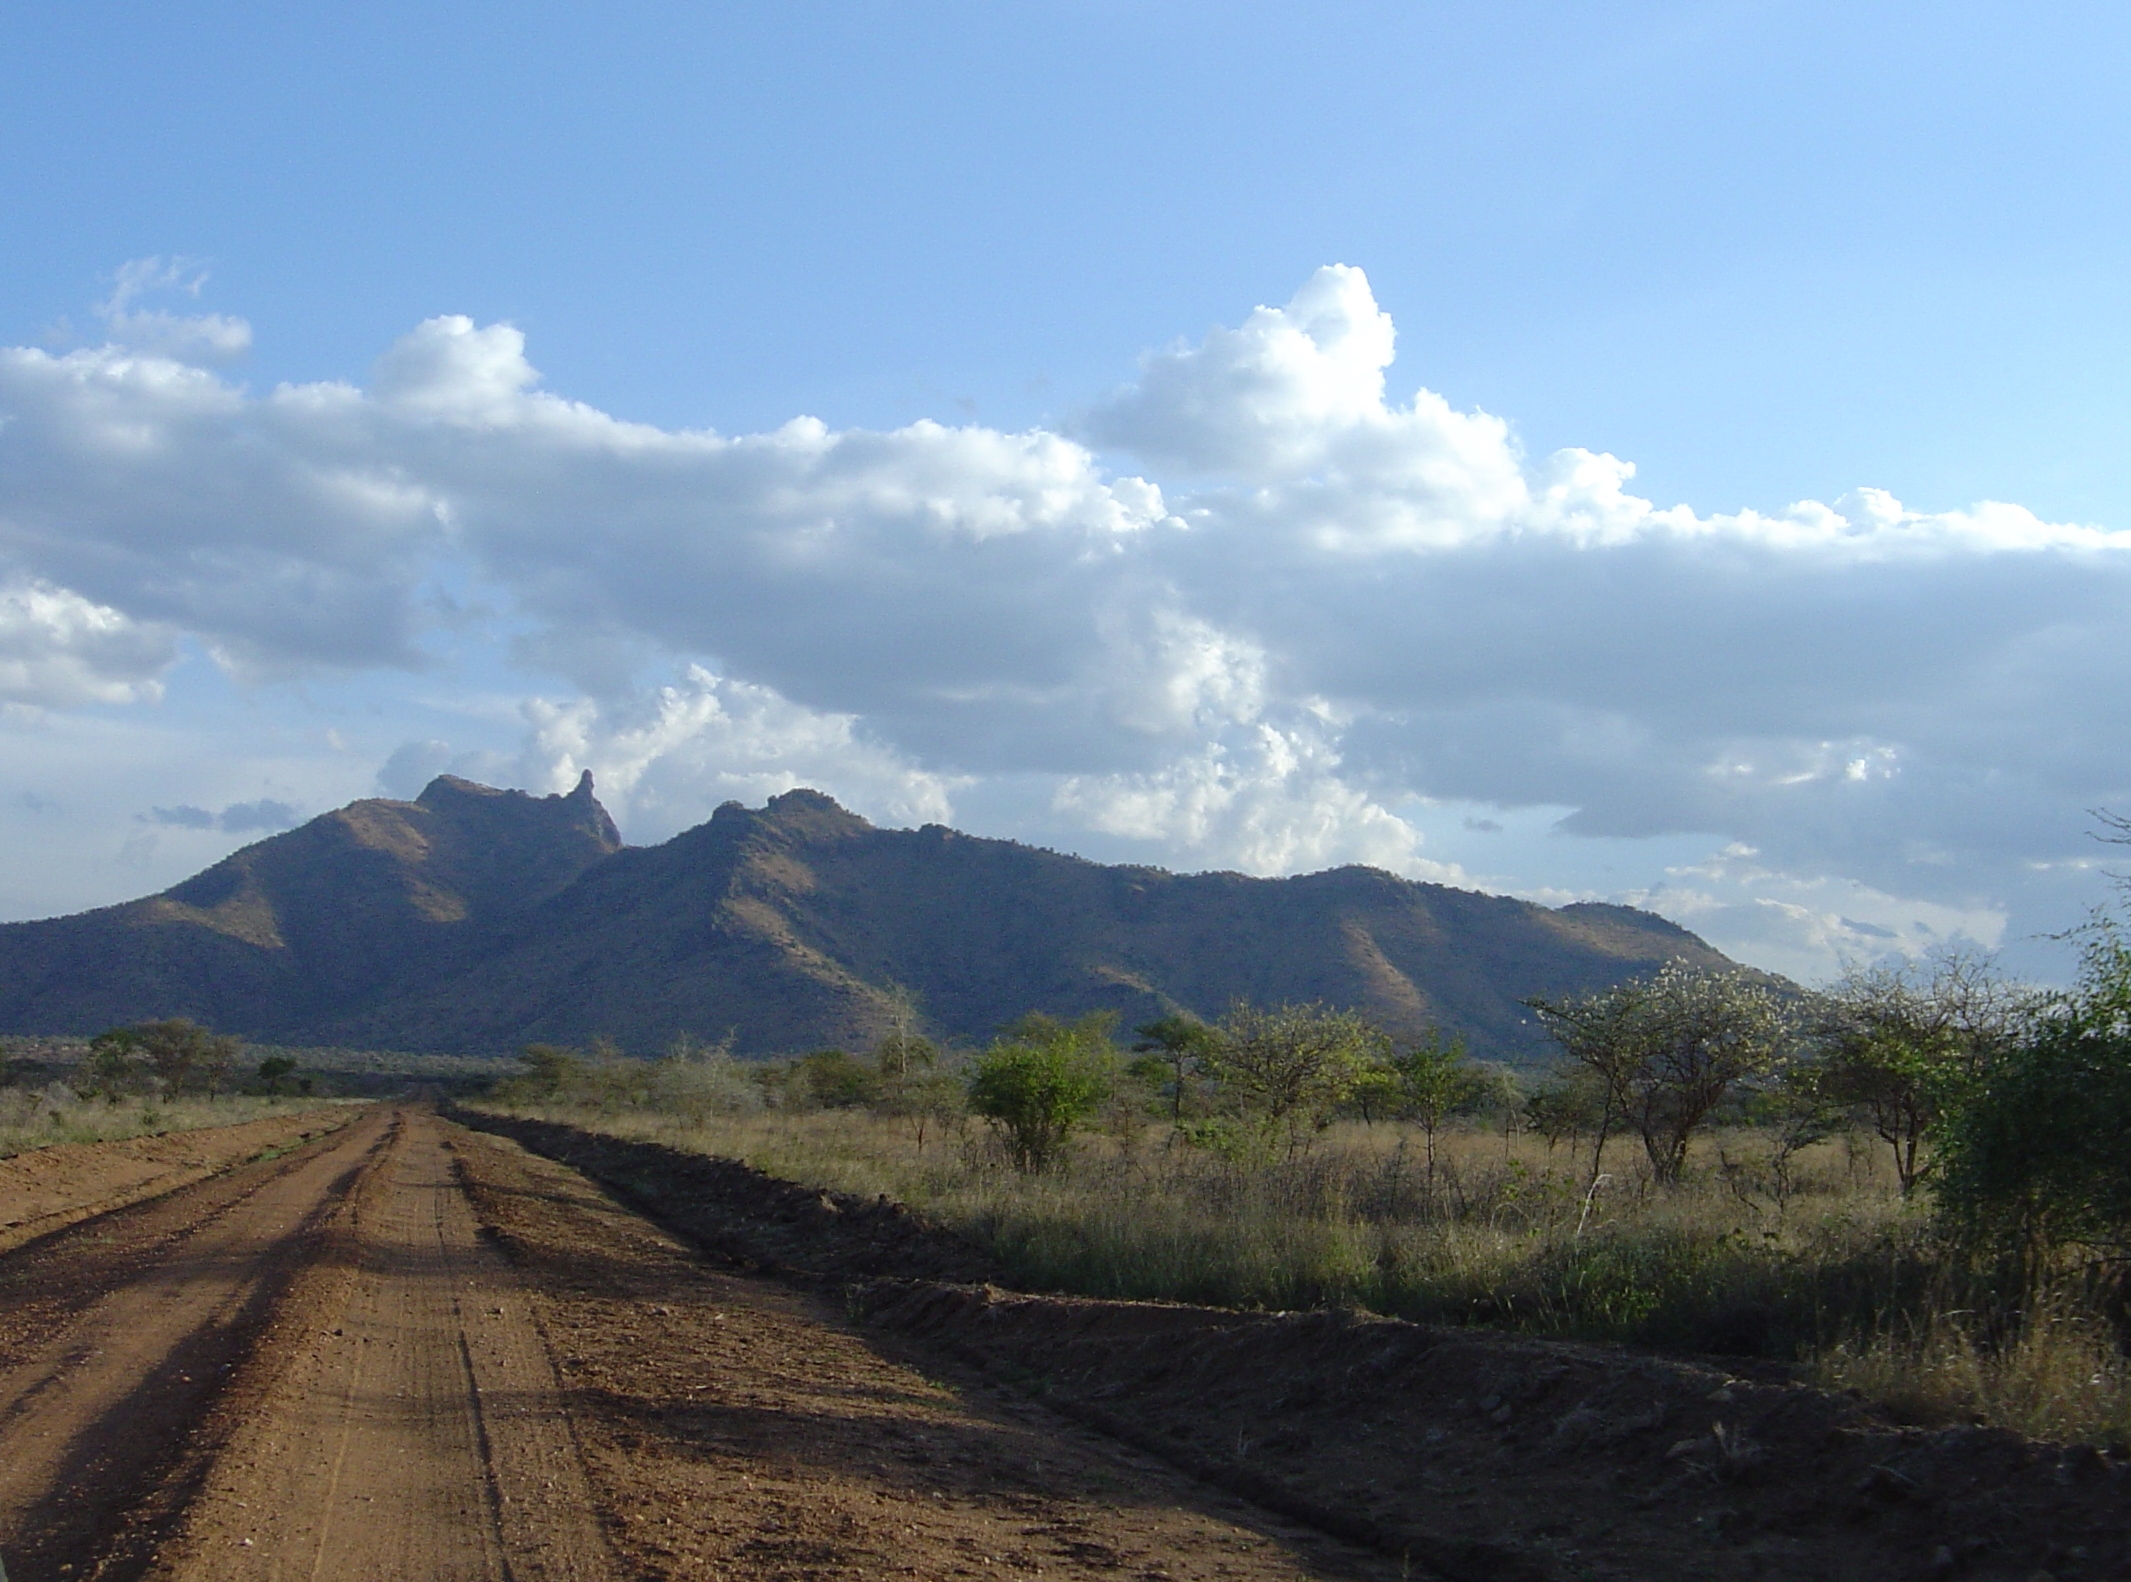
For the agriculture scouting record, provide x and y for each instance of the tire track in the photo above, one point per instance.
(417, 1431)
(99, 1410)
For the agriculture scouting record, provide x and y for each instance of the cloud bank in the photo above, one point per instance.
(1250, 610)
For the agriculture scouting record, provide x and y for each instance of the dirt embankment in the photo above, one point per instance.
(1485, 1458)
(1492, 1457)
(48, 1189)
(754, 1220)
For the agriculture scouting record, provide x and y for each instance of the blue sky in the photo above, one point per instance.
(1172, 579)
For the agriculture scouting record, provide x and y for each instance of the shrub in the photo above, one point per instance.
(1042, 1080)
(833, 1080)
(2035, 1159)
(551, 1073)
(695, 1081)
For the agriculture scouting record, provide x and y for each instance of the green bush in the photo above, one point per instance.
(1041, 1081)
(2036, 1160)
(833, 1080)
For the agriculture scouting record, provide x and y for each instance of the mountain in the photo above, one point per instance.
(475, 920)
(294, 930)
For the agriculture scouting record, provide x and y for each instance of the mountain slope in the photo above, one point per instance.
(477, 920)
(355, 904)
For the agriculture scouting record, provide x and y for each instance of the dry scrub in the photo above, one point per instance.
(1822, 1261)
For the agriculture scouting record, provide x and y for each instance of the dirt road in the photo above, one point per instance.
(408, 1351)
(418, 1429)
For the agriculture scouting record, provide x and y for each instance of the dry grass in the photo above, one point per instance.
(32, 1118)
(2061, 1375)
(1825, 1263)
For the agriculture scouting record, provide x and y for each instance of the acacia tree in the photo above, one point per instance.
(1431, 1081)
(1174, 1052)
(1905, 1045)
(1668, 1048)
(1289, 1067)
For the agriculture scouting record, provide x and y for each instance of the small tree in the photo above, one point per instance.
(1174, 1052)
(1796, 1107)
(275, 1072)
(1905, 1045)
(1566, 1107)
(1040, 1081)
(911, 1084)
(114, 1070)
(901, 1056)
(1374, 1092)
(1668, 1048)
(1290, 1067)
(1432, 1081)
(933, 1099)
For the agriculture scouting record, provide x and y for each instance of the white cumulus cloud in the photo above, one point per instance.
(1251, 610)
(185, 337)
(59, 649)
(666, 760)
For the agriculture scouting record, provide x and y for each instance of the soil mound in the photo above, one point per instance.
(1490, 1457)
(754, 1220)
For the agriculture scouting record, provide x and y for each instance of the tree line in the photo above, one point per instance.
(2008, 1103)
(175, 1057)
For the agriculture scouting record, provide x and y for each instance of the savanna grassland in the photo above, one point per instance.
(1818, 1259)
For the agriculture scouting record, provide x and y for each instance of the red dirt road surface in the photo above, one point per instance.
(408, 1351)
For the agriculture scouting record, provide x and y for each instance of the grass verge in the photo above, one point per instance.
(34, 1119)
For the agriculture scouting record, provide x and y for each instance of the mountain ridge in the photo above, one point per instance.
(473, 919)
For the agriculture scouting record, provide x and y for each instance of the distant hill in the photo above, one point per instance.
(475, 920)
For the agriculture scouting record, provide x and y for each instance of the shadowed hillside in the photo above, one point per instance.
(476, 920)
(350, 908)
